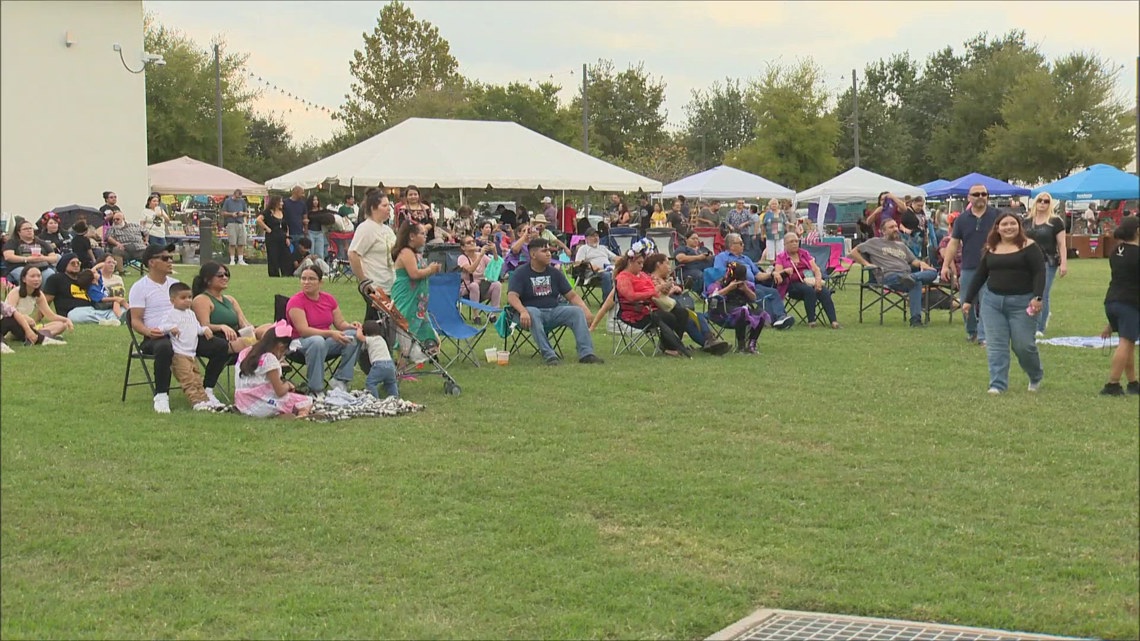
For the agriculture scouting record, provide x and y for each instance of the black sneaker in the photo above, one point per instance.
(590, 359)
(784, 323)
(1112, 389)
(916, 322)
(1133, 387)
(716, 348)
(553, 362)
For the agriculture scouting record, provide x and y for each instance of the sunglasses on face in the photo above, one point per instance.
(980, 194)
(1045, 202)
(221, 275)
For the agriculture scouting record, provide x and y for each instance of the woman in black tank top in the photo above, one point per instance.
(1048, 231)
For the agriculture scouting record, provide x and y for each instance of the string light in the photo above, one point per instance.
(270, 86)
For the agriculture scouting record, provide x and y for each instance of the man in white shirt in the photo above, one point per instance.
(370, 253)
(598, 259)
(149, 299)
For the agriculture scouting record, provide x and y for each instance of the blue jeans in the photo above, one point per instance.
(320, 244)
(81, 315)
(156, 242)
(14, 274)
(769, 298)
(809, 296)
(1043, 315)
(542, 320)
(318, 349)
(382, 372)
(607, 280)
(975, 325)
(924, 277)
(1009, 326)
(698, 330)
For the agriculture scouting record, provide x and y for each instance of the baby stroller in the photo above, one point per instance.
(408, 350)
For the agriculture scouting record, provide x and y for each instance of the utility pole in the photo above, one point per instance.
(585, 114)
(218, 99)
(855, 104)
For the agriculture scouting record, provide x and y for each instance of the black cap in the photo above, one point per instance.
(155, 250)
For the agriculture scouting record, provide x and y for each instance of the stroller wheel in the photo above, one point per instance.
(451, 389)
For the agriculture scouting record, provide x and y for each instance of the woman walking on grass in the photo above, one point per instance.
(1122, 307)
(1012, 269)
(1048, 231)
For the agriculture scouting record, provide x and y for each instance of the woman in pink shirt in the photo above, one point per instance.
(319, 324)
(795, 267)
(472, 263)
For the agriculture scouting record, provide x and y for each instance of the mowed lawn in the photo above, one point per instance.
(861, 471)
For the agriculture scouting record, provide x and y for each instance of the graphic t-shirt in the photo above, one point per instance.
(66, 293)
(893, 257)
(539, 289)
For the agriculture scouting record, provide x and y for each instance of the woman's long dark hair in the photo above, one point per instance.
(1127, 229)
(271, 204)
(404, 237)
(24, 293)
(253, 357)
(993, 238)
(204, 276)
(317, 199)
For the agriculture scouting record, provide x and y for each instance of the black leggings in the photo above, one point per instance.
(9, 325)
(216, 350)
(277, 255)
(670, 325)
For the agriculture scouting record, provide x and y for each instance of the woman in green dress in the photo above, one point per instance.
(410, 289)
(220, 311)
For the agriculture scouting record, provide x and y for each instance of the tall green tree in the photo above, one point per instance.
(401, 57)
(993, 69)
(885, 145)
(624, 108)
(180, 99)
(535, 107)
(718, 120)
(666, 161)
(271, 150)
(795, 135)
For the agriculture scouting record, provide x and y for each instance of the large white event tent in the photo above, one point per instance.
(189, 177)
(465, 154)
(726, 182)
(857, 185)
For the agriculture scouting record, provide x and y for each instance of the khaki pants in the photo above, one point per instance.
(185, 369)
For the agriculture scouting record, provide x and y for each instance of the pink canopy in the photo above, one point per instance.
(186, 176)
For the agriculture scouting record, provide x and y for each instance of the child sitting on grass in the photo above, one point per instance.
(182, 326)
(88, 281)
(261, 390)
(383, 369)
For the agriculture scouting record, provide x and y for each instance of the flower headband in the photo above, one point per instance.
(281, 329)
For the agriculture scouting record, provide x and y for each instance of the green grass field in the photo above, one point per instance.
(861, 471)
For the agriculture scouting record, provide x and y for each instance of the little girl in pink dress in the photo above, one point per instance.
(260, 389)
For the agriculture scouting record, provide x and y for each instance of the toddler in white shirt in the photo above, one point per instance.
(183, 327)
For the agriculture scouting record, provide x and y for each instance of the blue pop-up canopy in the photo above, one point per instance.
(1099, 182)
(937, 183)
(961, 187)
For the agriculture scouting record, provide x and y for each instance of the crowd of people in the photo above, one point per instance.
(1003, 264)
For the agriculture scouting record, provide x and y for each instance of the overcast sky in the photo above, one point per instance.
(304, 47)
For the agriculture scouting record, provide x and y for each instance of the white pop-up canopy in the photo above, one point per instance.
(857, 185)
(186, 176)
(726, 182)
(459, 154)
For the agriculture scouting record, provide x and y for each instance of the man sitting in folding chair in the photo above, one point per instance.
(593, 264)
(893, 261)
(533, 294)
(772, 301)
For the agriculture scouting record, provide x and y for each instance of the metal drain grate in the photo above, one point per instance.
(784, 625)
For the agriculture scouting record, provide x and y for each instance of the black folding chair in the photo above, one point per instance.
(871, 293)
(293, 367)
(518, 338)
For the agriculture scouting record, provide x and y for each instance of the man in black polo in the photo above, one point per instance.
(969, 233)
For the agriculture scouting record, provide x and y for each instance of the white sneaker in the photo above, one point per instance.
(4, 349)
(338, 385)
(204, 406)
(1033, 387)
(1039, 335)
(52, 341)
(162, 403)
(993, 390)
(109, 322)
(213, 399)
(242, 262)
(232, 261)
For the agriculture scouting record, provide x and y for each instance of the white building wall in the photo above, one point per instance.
(72, 119)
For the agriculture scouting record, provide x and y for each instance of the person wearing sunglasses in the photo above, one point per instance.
(1048, 230)
(969, 234)
(149, 300)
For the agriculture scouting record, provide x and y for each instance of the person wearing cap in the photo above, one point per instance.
(534, 293)
(234, 215)
(598, 260)
(71, 299)
(548, 209)
(540, 222)
(149, 299)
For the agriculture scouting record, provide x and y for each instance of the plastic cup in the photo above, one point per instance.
(36, 250)
(492, 354)
(504, 358)
(246, 332)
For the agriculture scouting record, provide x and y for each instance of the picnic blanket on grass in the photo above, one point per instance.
(1094, 342)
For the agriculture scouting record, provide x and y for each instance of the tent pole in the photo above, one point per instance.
(564, 209)
(461, 203)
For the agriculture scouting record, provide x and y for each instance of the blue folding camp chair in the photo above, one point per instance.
(443, 311)
(620, 239)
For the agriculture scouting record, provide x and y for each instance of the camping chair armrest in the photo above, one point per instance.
(479, 306)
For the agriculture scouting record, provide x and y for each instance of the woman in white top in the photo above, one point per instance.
(154, 220)
(30, 301)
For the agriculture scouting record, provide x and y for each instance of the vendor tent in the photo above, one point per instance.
(937, 183)
(1099, 182)
(961, 187)
(186, 176)
(452, 154)
(857, 185)
(726, 182)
